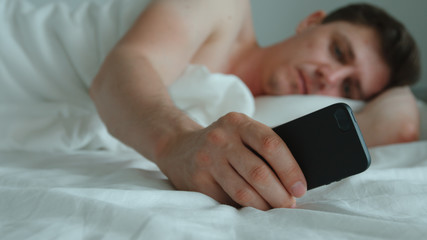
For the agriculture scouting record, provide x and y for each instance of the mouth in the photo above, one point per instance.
(302, 83)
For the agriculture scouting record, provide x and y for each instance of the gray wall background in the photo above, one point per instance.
(275, 20)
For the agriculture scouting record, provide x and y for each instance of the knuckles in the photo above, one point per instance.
(243, 196)
(234, 118)
(260, 174)
(216, 136)
(271, 145)
(211, 152)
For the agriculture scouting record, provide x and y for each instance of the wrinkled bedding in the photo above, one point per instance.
(62, 176)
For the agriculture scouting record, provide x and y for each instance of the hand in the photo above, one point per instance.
(392, 117)
(217, 161)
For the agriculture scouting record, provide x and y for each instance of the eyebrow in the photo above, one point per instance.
(349, 50)
(347, 43)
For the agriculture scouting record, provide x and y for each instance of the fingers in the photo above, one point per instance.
(278, 192)
(273, 149)
(220, 164)
(225, 185)
(261, 178)
(239, 190)
(214, 190)
(214, 176)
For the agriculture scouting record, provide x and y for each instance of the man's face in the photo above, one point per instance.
(335, 59)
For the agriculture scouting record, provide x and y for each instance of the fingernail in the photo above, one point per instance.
(298, 189)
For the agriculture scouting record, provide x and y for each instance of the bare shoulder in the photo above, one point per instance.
(232, 30)
(210, 10)
(217, 16)
(188, 31)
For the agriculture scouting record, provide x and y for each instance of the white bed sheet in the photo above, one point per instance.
(116, 195)
(48, 191)
(62, 176)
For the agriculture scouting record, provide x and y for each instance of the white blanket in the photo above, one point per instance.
(62, 176)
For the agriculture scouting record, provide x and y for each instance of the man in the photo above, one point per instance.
(337, 58)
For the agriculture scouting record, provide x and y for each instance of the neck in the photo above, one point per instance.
(249, 69)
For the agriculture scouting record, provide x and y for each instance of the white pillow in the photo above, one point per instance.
(275, 110)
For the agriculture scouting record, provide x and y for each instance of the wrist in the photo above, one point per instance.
(170, 137)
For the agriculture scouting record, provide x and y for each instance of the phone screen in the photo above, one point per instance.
(327, 144)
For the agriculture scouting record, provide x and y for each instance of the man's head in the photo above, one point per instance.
(355, 52)
(398, 48)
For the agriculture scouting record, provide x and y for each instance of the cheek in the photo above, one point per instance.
(274, 85)
(278, 84)
(309, 46)
(271, 85)
(313, 51)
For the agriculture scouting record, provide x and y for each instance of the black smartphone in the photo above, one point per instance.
(327, 144)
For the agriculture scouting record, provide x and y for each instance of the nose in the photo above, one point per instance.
(333, 76)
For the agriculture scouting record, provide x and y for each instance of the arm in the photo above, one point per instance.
(390, 118)
(130, 89)
(131, 97)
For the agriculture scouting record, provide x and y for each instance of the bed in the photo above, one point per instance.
(62, 176)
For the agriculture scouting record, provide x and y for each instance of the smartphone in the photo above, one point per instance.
(327, 144)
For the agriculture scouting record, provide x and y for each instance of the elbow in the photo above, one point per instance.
(409, 132)
(411, 127)
(100, 82)
(392, 132)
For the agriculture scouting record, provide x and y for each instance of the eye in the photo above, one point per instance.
(338, 53)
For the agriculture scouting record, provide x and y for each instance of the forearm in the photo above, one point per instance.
(392, 117)
(133, 102)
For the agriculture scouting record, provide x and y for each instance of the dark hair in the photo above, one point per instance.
(398, 48)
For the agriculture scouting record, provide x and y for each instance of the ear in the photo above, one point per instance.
(312, 20)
